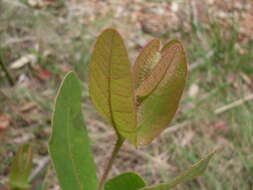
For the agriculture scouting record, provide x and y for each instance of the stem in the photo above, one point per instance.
(7, 73)
(115, 151)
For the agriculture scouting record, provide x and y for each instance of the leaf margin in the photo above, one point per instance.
(52, 136)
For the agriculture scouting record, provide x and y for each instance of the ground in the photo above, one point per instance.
(41, 40)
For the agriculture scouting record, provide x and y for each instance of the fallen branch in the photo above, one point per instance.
(175, 127)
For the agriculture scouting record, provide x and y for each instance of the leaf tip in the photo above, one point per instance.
(109, 30)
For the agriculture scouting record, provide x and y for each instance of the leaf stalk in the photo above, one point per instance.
(108, 167)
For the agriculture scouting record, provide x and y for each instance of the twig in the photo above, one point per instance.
(42, 164)
(175, 127)
(6, 71)
(233, 104)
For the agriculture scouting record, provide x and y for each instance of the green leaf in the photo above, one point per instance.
(193, 172)
(69, 145)
(21, 167)
(110, 83)
(159, 94)
(145, 61)
(126, 181)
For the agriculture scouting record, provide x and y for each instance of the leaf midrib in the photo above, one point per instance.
(109, 83)
(70, 153)
(158, 83)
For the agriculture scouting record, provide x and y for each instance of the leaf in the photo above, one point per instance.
(126, 181)
(69, 145)
(21, 167)
(145, 62)
(110, 83)
(193, 172)
(157, 74)
(159, 94)
(169, 45)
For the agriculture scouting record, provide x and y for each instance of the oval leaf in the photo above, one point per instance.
(69, 145)
(145, 62)
(158, 96)
(110, 83)
(126, 181)
(193, 172)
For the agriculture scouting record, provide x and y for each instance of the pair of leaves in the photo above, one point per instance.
(131, 181)
(140, 102)
(21, 167)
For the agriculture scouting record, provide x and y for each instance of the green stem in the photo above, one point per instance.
(115, 151)
(7, 73)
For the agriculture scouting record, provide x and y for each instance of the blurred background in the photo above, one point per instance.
(41, 40)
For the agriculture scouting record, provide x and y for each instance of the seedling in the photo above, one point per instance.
(137, 102)
(21, 167)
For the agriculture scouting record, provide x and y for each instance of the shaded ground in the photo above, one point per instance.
(53, 37)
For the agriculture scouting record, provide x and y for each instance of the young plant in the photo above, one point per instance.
(21, 175)
(138, 102)
(21, 168)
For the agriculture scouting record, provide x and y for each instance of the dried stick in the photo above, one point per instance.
(234, 104)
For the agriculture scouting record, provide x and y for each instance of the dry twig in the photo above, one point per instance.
(41, 166)
(233, 104)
